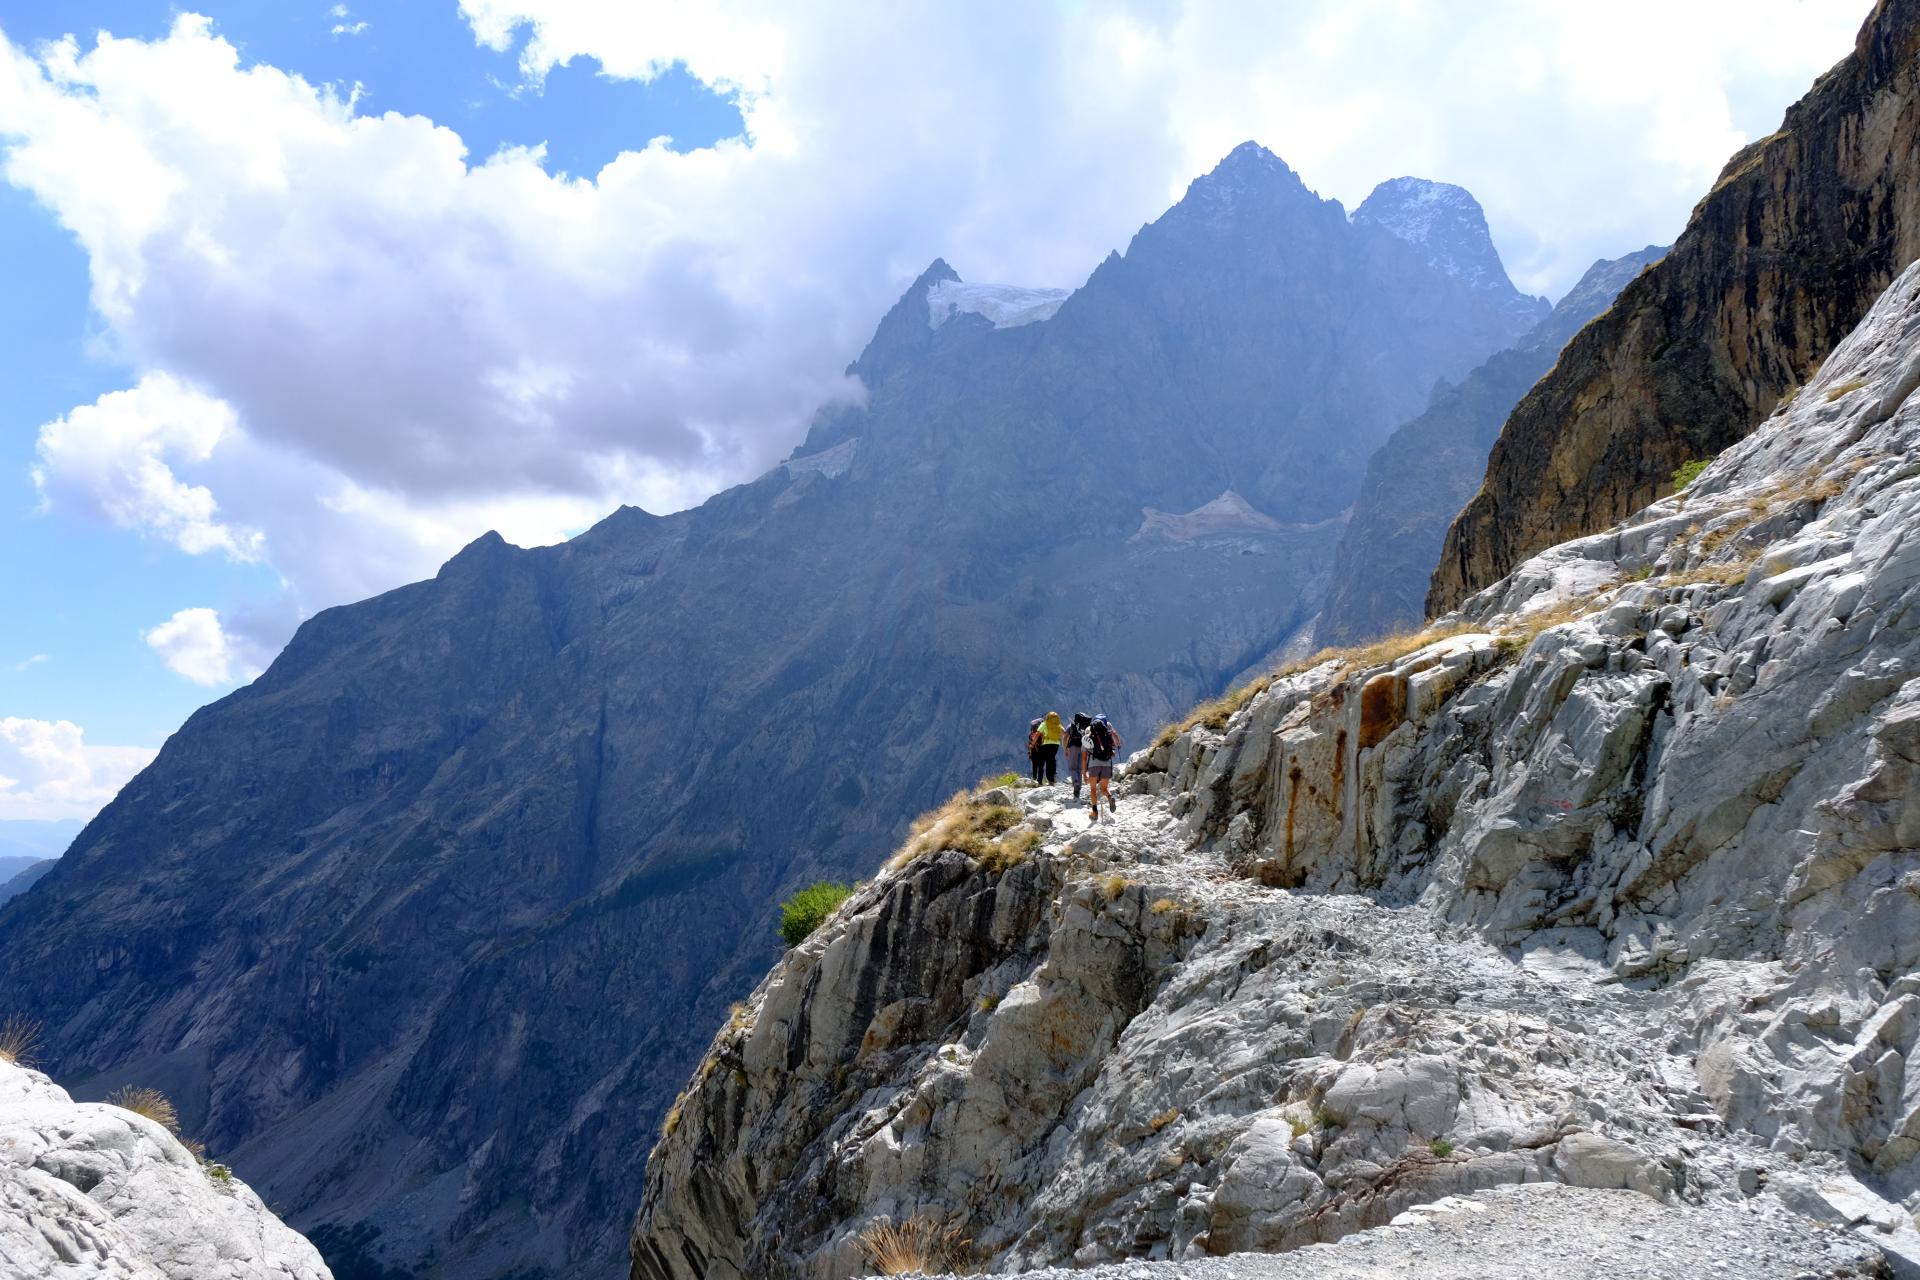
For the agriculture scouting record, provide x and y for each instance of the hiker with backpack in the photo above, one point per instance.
(1033, 750)
(1103, 746)
(1050, 734)
(1076, 749)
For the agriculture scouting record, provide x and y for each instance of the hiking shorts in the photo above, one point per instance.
(1099, 768)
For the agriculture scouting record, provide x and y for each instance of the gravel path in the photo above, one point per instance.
(1547, 1230)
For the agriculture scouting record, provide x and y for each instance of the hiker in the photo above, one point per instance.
(1033, 749)
(1051, 732)
(1103, 745)
(1077, 751)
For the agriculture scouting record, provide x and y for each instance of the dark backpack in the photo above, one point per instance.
(1099, 741)
(1073, 737)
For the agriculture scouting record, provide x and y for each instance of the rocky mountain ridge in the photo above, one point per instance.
(425, 926)
(1608, 880)
(1801, 232)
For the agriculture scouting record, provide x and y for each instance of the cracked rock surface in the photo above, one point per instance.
(89, 1191)
(1611, 882)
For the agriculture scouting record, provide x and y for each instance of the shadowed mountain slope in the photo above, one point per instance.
(1428, 468)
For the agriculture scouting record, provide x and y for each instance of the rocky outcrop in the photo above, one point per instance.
(426, 925)
(1429, 467)
(1611, 880)
(89, 1190)
(1778, 262)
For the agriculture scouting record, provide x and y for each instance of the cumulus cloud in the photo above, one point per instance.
(115, 459)
(193, 644)
(355, 346)
(48, 772)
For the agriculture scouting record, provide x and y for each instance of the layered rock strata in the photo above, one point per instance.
(1801, 232)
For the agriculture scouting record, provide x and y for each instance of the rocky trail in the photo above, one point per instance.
(1544, 1229)
(1610, 880)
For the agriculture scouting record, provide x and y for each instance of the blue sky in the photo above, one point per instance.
(290, 314)
(73, 650)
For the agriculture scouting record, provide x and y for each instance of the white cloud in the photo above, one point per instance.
(193, 644)
(356, 346)
(115, 458)
(48, 772)
(28, 663)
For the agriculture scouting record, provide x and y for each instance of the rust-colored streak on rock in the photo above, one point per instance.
(1293, 804)
(1383, 704)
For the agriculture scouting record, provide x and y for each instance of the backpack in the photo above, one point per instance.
(1073, 737)
(1033, 737)
(1099, 741)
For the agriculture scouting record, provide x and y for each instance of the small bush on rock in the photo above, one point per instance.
(1687, 472)
(1441, 1147)
(801, 914)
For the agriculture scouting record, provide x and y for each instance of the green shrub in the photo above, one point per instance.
(801, 914)
(1687, 472)
(1441, 1147)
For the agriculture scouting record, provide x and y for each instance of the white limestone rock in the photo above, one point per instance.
(89, 1191)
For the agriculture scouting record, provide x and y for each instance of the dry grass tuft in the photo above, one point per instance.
(1010, 850)
(151, 1103)
(964, 823)
(1164, 1119)
(18, 1036)
(1161, 906)
(1521, 632)
(1849, 386)
(1215, 712)
(1728, 574)
(918, 1244)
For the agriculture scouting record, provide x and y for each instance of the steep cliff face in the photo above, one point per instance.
(426, 925)
(1427, 470)
(93, 1192)
(1611, 880)
(1799, 235)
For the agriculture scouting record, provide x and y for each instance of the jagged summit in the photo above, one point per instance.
(1446, 223)
(1248, 178)
(903, 330)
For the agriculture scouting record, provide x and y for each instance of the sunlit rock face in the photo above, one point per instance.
(1778, 263)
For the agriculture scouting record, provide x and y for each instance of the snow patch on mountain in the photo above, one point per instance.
(1448, 223)
(1008, 306)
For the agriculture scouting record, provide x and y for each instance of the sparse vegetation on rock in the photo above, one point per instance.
(804, 912)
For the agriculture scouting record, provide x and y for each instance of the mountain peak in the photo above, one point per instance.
(1446, 223)
(1246, 168)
